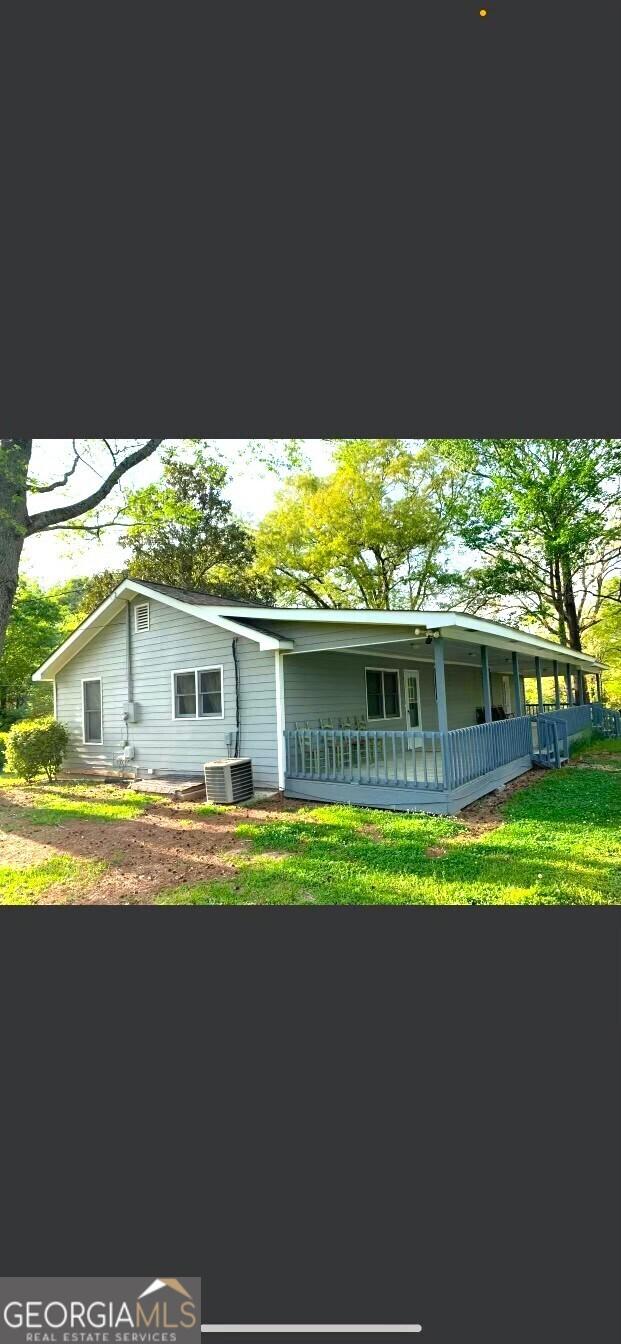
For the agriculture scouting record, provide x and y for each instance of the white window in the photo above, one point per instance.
(141, 617)
(197, 693)
(92, 718)
(383, 698)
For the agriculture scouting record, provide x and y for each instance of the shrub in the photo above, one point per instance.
(35, 746)
(3, 738)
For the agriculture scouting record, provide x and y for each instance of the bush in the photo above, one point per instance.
(3, 738)
(35, 746)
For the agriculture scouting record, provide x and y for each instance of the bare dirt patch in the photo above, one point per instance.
(485, 814)
(167, 846)
(436, 852)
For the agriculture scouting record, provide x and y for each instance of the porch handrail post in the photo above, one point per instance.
(517, 689)
(539, 684)
(438, 662)
(557, 689)
(487, 690)
(570, 698)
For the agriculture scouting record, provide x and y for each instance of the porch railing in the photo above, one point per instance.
(577, 717)
(410, 759)
(417, 759)
(482, 747)
(608, 720)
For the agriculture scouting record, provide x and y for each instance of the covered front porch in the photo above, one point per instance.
(429, 722)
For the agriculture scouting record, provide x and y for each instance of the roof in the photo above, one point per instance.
(240, 618)
(196, 597)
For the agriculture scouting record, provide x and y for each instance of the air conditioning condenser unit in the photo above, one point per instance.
(229, 780)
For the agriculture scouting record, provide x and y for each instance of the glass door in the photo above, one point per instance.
(412, 699)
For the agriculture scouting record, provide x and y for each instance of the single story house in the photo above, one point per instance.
(415, 710)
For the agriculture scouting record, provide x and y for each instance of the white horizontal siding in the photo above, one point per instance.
(173, 641)
(332, 686)
(104, 657)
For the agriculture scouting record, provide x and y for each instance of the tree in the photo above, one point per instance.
(182, 531)
(545, 516)
(369, 534)
(37, 624)
(603, 639)
(17, 522)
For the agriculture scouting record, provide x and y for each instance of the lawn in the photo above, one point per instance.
(64, 876)
(51, 804)
(558, 843)
(555, 841)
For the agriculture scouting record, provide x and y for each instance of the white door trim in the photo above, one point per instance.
(412, 672)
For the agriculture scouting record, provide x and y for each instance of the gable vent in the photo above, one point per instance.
(142, 616)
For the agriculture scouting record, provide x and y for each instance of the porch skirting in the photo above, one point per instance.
(446, 802)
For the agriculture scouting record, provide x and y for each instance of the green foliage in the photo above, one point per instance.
(36, 746)
(37, 624)
(559, 844)
(369, 534)
(545, 516)
(604, 640)
(183, 532)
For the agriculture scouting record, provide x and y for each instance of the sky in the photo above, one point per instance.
(54, 557)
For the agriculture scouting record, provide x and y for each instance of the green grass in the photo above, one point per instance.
(597, 747)
(559, 844)
(53, 804)
(24, 886)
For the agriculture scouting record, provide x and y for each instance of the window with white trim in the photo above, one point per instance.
(92, 710)
(141, 617)
(383, 699)
(197, 693)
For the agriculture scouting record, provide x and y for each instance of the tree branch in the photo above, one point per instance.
(47, 518)
(56, 485)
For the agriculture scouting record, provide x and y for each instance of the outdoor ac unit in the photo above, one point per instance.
(229, 781)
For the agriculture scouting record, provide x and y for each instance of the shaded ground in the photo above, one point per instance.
(548, 838)
(159, 843)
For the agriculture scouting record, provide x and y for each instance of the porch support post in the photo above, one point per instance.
(487, 690)
(539, 685)
(598, 683)
(580, 680)
(438, 662)
(570, 698)
(557, 689)
(280, 717)
(517, 688)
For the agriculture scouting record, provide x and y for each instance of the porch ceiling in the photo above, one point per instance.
(457, 651)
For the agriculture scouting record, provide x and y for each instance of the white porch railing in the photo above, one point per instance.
(417, 759)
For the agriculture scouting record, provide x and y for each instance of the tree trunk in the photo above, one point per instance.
(14, 462)
(573, 623)
(557, 597)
